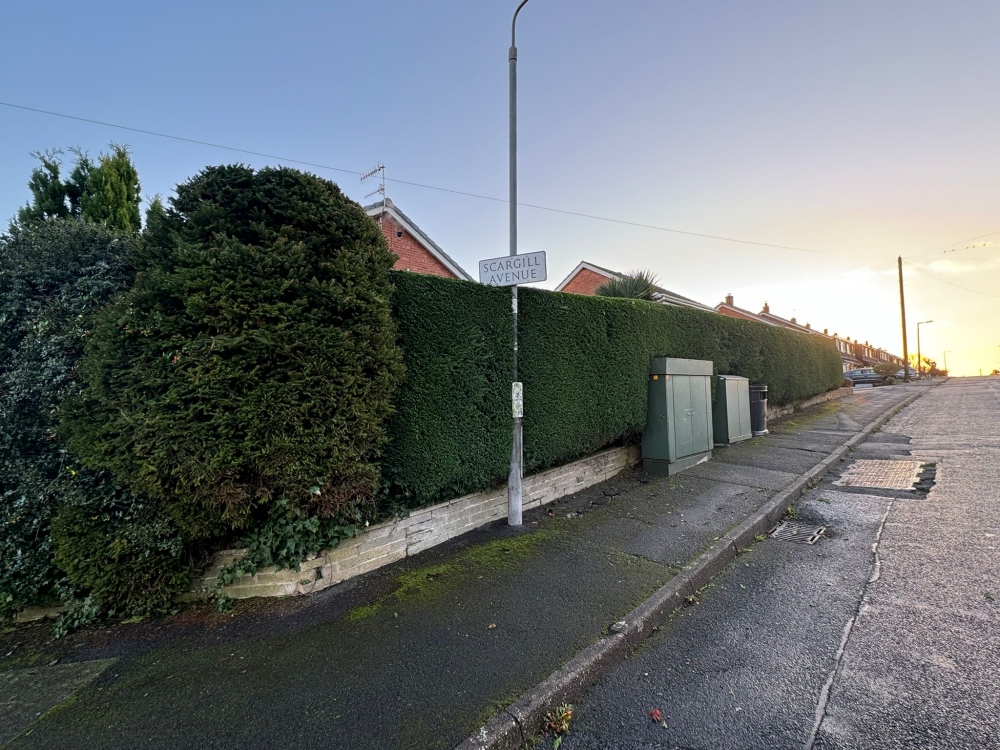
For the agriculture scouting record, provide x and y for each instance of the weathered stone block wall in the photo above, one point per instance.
(422, 529)
(773, 412)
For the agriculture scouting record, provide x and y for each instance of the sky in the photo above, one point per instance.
(855, 131)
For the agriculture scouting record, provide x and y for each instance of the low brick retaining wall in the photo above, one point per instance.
(773, 412)
(424, 528)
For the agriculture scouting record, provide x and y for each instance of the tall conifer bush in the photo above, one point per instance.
(253, 361)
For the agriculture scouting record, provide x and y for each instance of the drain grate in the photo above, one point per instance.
(884, 474)
(800, 533)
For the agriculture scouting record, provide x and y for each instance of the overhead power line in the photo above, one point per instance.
(411, 183)
(950, 283)
(952, 249)
(468, 194)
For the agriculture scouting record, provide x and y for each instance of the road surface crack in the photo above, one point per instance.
(824, 694)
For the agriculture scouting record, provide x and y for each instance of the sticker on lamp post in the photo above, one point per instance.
(511, 270)
(517, 399)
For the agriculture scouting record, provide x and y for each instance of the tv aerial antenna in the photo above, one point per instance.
(376, 173)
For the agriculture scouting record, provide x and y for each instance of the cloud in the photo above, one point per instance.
(950, 266)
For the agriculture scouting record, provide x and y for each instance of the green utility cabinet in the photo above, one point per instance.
(678, 431)
(731, 409)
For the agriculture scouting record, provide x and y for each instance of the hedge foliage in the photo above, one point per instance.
(254, 359)
(584, 364)
(117, 548)
(54, 275)
(451, 431)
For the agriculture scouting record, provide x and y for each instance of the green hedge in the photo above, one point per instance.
(450, 434)
(584, 364)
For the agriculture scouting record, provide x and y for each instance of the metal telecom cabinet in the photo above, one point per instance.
(731, 409)
(678, 431)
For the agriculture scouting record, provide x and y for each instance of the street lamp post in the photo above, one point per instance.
(517, 448)
(946, 359)
(922, 322)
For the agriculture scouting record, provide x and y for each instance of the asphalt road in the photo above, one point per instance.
(884, 634)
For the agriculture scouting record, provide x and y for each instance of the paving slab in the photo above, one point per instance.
(773, 456)
(745, 476)
(30, 693)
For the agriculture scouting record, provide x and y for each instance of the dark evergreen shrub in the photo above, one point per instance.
(255, 359)
(54, 275)
(128, 556)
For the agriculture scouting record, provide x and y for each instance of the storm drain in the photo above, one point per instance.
(800, 533)
(884, 474)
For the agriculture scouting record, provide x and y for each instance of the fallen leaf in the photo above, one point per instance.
(492, 625)
(656, 715)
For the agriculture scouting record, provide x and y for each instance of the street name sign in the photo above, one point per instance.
(511, 270)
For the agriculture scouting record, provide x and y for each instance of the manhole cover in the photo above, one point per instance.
(800, 533)
(889, 475)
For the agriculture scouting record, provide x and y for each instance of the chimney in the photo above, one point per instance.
(826, 332)
(766, 309)
(729, 300)
(793, 321)
(808, 326)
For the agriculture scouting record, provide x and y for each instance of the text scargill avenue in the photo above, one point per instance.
(513, 269)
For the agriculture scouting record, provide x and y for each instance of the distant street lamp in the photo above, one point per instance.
(922, 322)
(946, 359)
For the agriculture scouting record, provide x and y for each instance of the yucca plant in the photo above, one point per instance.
(634, 285)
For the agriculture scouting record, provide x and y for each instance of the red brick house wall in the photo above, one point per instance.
(412, 255)
(585, 282)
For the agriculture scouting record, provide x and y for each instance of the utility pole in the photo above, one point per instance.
(517, 392)
(946, 359)
(902, 313)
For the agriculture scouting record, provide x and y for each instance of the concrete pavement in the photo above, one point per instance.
(421, 653)
(885, 634)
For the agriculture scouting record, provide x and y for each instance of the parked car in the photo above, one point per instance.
(913, 374)
(864, 376)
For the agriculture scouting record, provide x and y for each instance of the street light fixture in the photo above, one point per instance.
(517, 448)
(922, 322)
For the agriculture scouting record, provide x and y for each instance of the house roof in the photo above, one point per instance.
(783, 322)
(747, 313)
(660, 294)
(388, 207)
